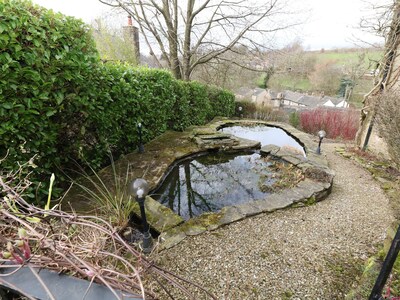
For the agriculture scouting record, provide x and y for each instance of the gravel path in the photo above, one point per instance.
(310, 252)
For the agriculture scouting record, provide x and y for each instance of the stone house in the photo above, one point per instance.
(266, 97)
(335, 102)
(295, 99)
(244, 94)
(259, 96)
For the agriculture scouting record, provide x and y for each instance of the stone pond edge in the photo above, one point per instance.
(315, 188)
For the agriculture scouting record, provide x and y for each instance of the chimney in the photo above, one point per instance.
(131, 35)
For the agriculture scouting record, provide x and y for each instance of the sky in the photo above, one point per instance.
(330, 23)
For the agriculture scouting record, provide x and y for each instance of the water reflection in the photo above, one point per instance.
(212, 181)
(265, 135)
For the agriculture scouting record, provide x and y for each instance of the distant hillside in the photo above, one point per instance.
(317, 71)
(342, 56)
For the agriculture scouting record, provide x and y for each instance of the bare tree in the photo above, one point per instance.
(387, 24)
(190, 33)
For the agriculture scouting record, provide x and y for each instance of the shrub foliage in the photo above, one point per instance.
(59, 103)
(389, 122)
(253, 111)
(337, 123)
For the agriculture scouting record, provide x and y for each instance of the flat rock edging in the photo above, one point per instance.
(316, 186)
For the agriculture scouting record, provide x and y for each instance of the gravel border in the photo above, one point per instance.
(311, 252)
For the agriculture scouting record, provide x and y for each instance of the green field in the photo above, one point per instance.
(290, 82)
(345, 61)
(351, 56)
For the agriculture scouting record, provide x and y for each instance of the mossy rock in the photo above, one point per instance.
(160, 217)
(203, 131)
(206, 221)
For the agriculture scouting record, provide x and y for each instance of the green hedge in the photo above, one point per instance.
(46, 61)
(59, 103)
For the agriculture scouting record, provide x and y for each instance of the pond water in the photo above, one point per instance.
(265, 135)
(209, 182)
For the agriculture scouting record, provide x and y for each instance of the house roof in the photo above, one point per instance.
(292, 96)
(272, 94)
(244, 92)
(311, 101)
(258, 91)
(334, 100)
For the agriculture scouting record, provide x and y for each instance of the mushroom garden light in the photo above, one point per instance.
(240, 111)
(321, 135)
(139, 188)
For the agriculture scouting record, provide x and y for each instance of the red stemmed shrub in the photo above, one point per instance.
(338, 123)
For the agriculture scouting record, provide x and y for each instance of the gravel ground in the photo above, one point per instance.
(310, 252)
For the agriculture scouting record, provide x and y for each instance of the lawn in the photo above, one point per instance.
(342, 57)
(290, 82)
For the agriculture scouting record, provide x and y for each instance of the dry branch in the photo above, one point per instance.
(83, 246)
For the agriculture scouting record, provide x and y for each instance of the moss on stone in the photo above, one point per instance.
(206, 221)
(203, 131)
(160, 217)
(310, 201)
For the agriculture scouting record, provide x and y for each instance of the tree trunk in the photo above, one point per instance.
(173, 55)
(388, 80)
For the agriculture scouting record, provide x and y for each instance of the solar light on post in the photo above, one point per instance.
(321, 135)
(141, 147)
(240, 111)
(139, 188)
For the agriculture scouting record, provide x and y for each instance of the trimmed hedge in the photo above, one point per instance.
(59, 103)
(46, 60)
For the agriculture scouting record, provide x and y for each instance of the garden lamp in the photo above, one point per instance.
(139, 188)
(321, 135)
(141, 147)
(240, 111)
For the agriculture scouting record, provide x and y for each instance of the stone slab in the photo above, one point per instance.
(62, 287)
(160, 217)
(170, 240)
(230, 214)
(270, 149)
(195, 230)
(248, 209)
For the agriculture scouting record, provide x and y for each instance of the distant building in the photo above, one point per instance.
(259, 96)
(131, 35)
(243, 94)
(303, 100)
(266, 97)
(335, 102)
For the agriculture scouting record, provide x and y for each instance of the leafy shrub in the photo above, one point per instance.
(336, 123)
(294, 119)
(266, 113)
(195, 104)
(248, 109)
(124, 96)
(199, 106)
(46, 61)
(221, 101)
(59, 103)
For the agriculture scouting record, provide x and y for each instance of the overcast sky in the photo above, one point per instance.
(331, 23)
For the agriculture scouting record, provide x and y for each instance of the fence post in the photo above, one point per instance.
(387, 266)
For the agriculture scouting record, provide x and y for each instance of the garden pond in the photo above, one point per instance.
(213, 180)
(266, 135)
